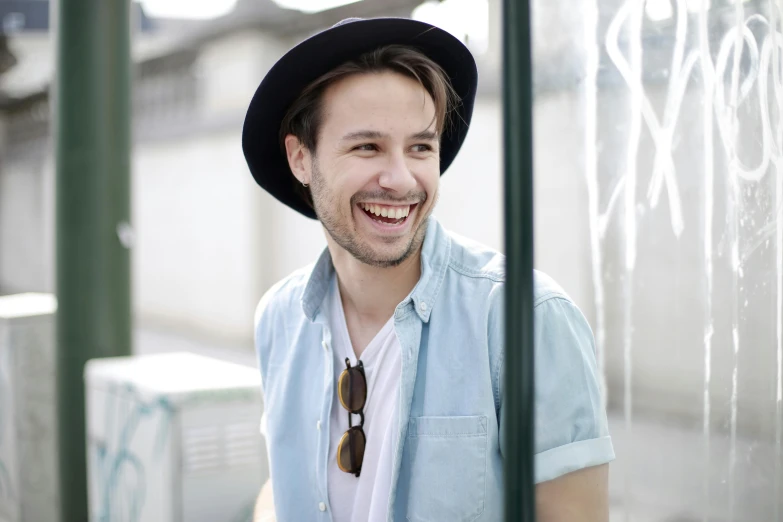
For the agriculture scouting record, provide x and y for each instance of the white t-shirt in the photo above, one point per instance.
(364, 498)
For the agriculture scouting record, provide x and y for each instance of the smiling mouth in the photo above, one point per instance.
(387, 214)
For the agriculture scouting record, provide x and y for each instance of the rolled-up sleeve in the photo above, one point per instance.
(571, 426)
(571, 431)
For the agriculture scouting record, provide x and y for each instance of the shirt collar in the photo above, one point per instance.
(435, 254)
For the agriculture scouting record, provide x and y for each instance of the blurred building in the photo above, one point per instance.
(680, 281)
(208, 241)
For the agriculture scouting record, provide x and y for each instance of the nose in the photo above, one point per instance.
(397, 176)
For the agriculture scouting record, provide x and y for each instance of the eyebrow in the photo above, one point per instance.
(425, 135)
(363, 135)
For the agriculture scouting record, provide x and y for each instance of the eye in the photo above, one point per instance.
(422, 147)
(368, 147)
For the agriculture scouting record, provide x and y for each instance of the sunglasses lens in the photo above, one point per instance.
(352, 389)
(350, 451)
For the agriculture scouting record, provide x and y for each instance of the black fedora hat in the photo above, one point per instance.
(320, 54)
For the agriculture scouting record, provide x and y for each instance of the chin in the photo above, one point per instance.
(394, 258)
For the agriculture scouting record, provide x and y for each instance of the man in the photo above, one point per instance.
(382, 364)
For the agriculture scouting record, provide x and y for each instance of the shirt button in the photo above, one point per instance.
(322, 506)
(318, 425)
(325, 345)
(423, 306)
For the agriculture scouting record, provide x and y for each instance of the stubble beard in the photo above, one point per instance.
(327, 209)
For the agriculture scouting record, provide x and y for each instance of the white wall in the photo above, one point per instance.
(230, 68)
(27, 224)
(202, 224)
(471, 198)
(194, 264)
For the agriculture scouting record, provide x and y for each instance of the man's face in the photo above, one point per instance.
(375, 173)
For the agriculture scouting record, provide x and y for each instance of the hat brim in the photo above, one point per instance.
(323, 52)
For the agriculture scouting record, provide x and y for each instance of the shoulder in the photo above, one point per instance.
(472, 259)
(545, 288)
(283, 296)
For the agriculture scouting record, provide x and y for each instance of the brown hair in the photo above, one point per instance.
(303, 118)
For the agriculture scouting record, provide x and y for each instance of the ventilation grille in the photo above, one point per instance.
(201, 448)
(220, 447)
(242, 444)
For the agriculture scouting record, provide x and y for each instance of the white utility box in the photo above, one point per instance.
(28, 414)
(173, 438)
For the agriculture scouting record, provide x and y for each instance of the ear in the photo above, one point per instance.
(298, 158)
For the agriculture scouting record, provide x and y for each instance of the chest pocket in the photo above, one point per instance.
(448, 468)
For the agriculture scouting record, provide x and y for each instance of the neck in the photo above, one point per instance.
(371, 293)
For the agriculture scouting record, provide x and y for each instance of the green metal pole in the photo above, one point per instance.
(519, 397)
(92, 133)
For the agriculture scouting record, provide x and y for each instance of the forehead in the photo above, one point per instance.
(379, 98)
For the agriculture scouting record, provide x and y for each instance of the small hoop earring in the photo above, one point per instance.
(304, 184)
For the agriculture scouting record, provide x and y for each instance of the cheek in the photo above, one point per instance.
(431, 183)
(353, 179)
(343, 192)
(336, 180)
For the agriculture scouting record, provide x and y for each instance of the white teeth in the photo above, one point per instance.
(393, 213)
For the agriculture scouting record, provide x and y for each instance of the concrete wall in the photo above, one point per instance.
(26, 223)
(28, 420)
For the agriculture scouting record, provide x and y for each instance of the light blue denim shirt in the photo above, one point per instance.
(448, 463)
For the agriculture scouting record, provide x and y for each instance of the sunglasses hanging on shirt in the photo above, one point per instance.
(352, 392)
